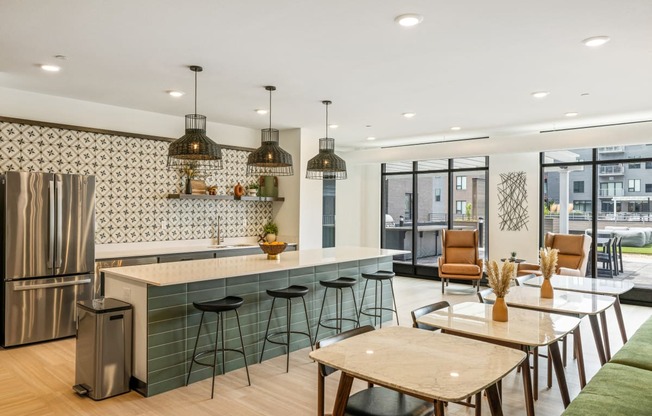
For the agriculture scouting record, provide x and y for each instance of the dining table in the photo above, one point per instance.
(607, 287)
(526, 330)
(566, 303)
(428, 365)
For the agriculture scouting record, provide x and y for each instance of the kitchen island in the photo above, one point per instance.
(166, 323)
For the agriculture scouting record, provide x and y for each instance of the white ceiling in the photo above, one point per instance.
(470, 63)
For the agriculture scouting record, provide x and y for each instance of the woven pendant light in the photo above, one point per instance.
(269, 159)
(195, 148)
(326, 165)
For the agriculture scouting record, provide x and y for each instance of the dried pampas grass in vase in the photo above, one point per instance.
(500, 279)
(548, 257)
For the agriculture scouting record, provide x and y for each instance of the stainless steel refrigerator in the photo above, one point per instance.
(47, 245)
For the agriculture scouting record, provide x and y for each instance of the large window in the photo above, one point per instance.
(420, 199)
(613, 207)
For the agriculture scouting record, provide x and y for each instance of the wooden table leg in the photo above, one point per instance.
(439, 408)
(478, 404)
(494, 399)
(579, 354)
(619, 317)
(535, 373)
(343, 392)
(555, 355)
(595, 327)
(527, 387)
(605, 335)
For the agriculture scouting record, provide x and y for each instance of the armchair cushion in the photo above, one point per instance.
(464, 269)
(460, 255)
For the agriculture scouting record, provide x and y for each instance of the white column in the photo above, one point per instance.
(563, 200)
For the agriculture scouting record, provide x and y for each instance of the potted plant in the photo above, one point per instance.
(253, 189)
(271, 230)
(513, 254)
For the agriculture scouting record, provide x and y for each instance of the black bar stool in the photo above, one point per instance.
(338, 285)
(288, 294)
(229, 303)
(380, 276)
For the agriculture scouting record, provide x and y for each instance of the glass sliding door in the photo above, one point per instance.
(420, 199)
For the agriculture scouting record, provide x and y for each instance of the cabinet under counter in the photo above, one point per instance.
(166, 323)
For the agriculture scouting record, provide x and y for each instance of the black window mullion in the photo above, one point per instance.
(594, 215)
(415, 214)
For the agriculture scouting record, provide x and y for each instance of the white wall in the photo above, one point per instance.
(357, 221)
(526, 241)
(286, 214)
(53, 109)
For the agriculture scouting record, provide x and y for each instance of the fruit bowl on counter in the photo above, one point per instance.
(273, 249)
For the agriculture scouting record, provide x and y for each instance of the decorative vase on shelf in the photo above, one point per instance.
(270, 237)
(253, 192)
(499, 311)
(188, 189)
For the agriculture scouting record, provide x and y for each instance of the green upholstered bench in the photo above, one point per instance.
(622, 386)
(638, 350)
(615, 390)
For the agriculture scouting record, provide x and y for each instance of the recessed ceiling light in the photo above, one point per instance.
(409, 20)
(540, 94)
(584, 94)
(456, 128)
(51, 68)
(596, 41)
(370, 138)
(333, 126)
(176, 94)
(409, 115)
(261, 111)
(572, 114)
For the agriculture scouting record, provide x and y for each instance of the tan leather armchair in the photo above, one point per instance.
(460, 259)
(573, 255)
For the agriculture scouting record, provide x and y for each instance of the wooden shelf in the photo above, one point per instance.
(226, 197)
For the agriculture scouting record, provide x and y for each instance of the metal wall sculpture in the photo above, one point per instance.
(512, 201)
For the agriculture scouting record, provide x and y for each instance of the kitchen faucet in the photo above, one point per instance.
(220, 239)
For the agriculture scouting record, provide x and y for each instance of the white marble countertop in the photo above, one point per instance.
(161, 248)
(584, 284)
(562, 301)
(163, 274)
(423, 363)
(525, 326)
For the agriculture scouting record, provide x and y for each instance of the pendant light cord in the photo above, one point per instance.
(327, 121)
(195, 92)
(270, 112)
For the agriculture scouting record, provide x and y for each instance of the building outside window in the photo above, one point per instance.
(460, 207)
(408, 206)
(438, 195)
(460, 183)
(578, 187)
(634, 166)
(648, 187)
(648, 165)
(634, 185)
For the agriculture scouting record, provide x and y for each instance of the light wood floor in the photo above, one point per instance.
(37, 380)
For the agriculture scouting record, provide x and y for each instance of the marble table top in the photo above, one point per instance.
(422, 363)
(525, 326)
(584, 284)
(567, 302)
(163, 274)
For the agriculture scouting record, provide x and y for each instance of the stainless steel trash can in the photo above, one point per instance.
(103, 362)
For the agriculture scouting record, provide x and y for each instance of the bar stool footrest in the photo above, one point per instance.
(275, 334)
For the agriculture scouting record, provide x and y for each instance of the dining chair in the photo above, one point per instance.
(520, 281)
(374, 400)
(606, 257)
(482, 295)
(424, 310)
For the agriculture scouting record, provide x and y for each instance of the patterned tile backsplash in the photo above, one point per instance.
(132, 183)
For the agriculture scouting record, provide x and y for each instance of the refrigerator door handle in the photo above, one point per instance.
(59, 241)
(51, 225)
(18, 286)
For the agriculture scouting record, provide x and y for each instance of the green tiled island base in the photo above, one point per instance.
(173, 321)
